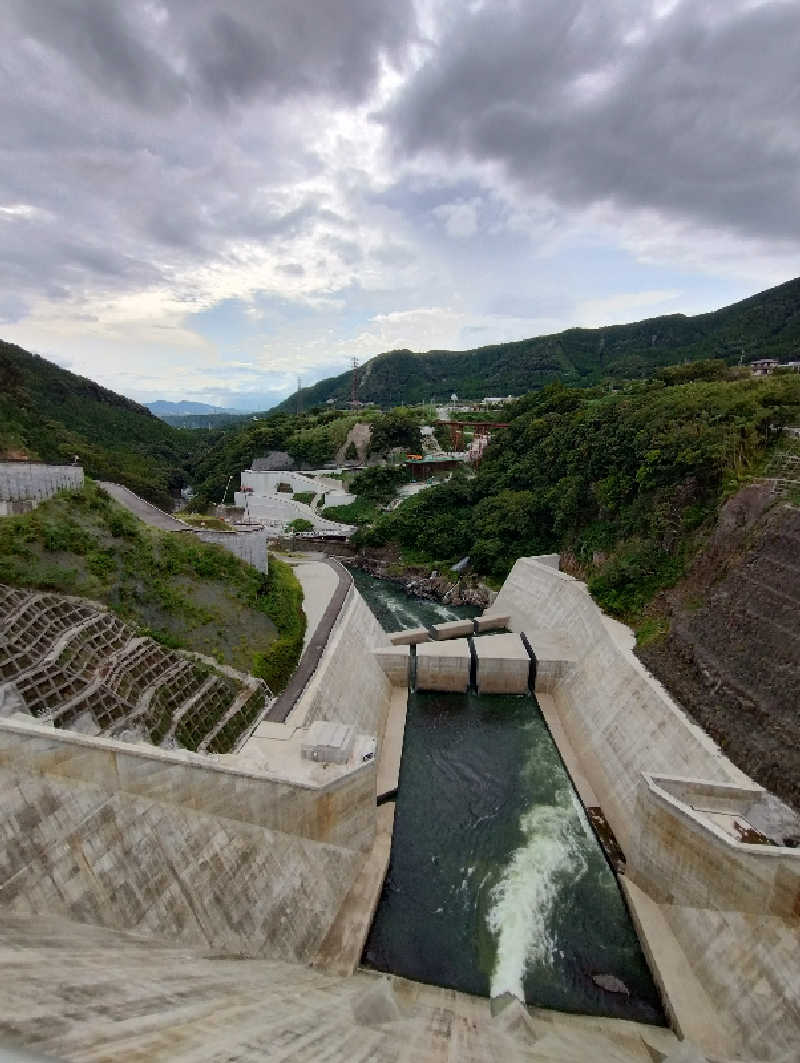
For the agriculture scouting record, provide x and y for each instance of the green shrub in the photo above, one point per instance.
(300, 524)
(281, 598)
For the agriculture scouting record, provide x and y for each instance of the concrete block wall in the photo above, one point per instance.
(23, 480)
(176, 845)
(349, 685)
(248, 546)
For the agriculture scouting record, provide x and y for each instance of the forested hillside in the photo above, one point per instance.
(766, 325)
(623, 484)
(50, 414)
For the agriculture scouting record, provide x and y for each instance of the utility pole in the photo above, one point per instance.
(354, 389)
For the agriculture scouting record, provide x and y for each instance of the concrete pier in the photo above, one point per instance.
(443, 665)
(453, 629)
(396, 663)
(503, 664)
(410, 637)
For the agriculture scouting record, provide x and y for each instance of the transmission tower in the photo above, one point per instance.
(354, 391)
(298, 405)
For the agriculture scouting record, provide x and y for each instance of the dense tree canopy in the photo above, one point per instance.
(619, 479)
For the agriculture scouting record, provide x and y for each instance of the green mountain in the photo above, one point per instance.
(766, 325)
(50, 414)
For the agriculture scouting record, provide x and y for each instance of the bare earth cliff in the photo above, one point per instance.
(732, 654)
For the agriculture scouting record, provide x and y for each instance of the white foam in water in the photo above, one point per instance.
(522, 901)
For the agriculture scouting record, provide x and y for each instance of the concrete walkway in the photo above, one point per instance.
(316, 642)
(319, 582)
(145, 511)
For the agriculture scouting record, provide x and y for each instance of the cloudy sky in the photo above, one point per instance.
(204, 199)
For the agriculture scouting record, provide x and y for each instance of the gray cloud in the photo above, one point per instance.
(208, 53)
(697, 115)
(148, 133)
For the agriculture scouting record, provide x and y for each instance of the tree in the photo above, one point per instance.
(379, 483)
(351, 454)
(300, 524)
(398, 428)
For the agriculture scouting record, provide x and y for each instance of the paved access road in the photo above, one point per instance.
(145, 511)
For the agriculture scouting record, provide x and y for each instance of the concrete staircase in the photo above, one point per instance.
(90, 994)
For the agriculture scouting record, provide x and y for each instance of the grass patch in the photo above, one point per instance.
(283, 602)
(304, 496)
(362, 511)
(198, 520)
(651, 629)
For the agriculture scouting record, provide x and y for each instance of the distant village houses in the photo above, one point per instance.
(767, 366)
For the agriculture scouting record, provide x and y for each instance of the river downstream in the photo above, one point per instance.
(496, 881)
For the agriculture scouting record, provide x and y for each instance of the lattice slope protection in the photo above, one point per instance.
(71, 662)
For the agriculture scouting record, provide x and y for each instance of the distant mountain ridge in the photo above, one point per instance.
(766, 325)
(162, 408)
(51, 414)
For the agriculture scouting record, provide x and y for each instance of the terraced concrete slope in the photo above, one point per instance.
(71, 662)
(732, 655)
(82, 993)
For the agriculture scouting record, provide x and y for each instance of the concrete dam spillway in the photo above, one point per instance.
(496, 882)
(164, 904)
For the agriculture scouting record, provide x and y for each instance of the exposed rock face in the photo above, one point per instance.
(732, 656)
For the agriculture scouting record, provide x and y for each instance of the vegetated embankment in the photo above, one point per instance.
(731, 655)
(183, 592)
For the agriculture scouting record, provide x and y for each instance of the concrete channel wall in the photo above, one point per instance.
(349, 686)
(730, 909)
(620, 720)
(21, 480)
(157, 842)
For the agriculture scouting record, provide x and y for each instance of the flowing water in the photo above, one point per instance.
(496, 882)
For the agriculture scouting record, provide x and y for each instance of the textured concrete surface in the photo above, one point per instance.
(691, 1011)
(503, 664)
(89, 994)
(391, 751)
(114, 859)
(411, 636)
(33, 480)
(453, 629)
(683, 817)
(490, 622)
(340, 951)
(396, 663)
(443, 665)
(248, 546)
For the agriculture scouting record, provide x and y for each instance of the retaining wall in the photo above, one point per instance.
(248, 546)
(23, 480)
(175, 844)
(734, 911)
